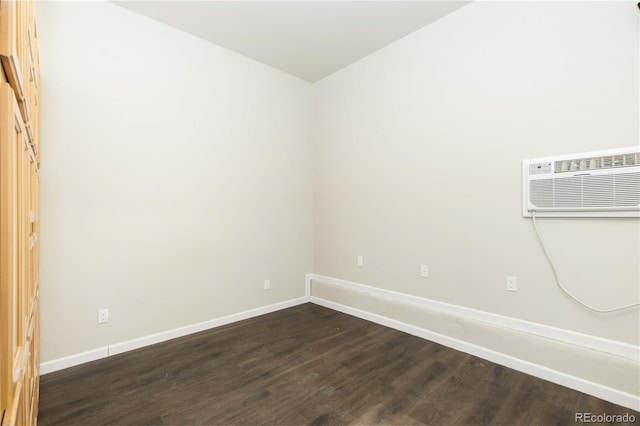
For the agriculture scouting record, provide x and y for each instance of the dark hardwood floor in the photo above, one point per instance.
(305, 365)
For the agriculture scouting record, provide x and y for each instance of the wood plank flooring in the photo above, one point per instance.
(305, 365)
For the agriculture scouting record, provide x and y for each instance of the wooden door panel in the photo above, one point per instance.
(13, 253)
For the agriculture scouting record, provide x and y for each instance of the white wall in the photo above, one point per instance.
(418, 156)
(176, 177)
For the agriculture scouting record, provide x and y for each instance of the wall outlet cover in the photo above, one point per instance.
(103, 315)
(424, 271)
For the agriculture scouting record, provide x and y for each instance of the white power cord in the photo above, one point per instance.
(555, 272)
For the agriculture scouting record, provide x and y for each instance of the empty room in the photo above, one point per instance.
(319, 212)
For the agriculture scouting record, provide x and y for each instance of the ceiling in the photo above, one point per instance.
(308, 39)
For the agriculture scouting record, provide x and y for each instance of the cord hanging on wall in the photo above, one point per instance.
(559, 283)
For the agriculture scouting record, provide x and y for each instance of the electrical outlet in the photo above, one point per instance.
(267, 284)
(424, 271)
(512, 283)
(103, 316)
(360, 262)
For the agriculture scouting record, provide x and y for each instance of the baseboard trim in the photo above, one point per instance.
(72, 360)
(152, 339)
(307, 285)
(614, 347)
(595, 389)
(129, 345)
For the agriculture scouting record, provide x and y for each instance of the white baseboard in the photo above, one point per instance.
(117, 348)
(614, 347)
(595, 389)
(307, 285)
(195, 328)
(75, 359)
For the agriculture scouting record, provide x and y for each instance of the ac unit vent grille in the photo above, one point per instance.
(603, 191)
(597, 163)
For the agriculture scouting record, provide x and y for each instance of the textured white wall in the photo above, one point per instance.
(418, 160)
(176, 177)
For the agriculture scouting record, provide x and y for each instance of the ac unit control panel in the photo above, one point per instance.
(541, 168)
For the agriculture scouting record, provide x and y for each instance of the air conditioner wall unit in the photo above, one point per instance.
(589, 184)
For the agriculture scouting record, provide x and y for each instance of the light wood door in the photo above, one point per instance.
(19, 213)
(14, 293)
